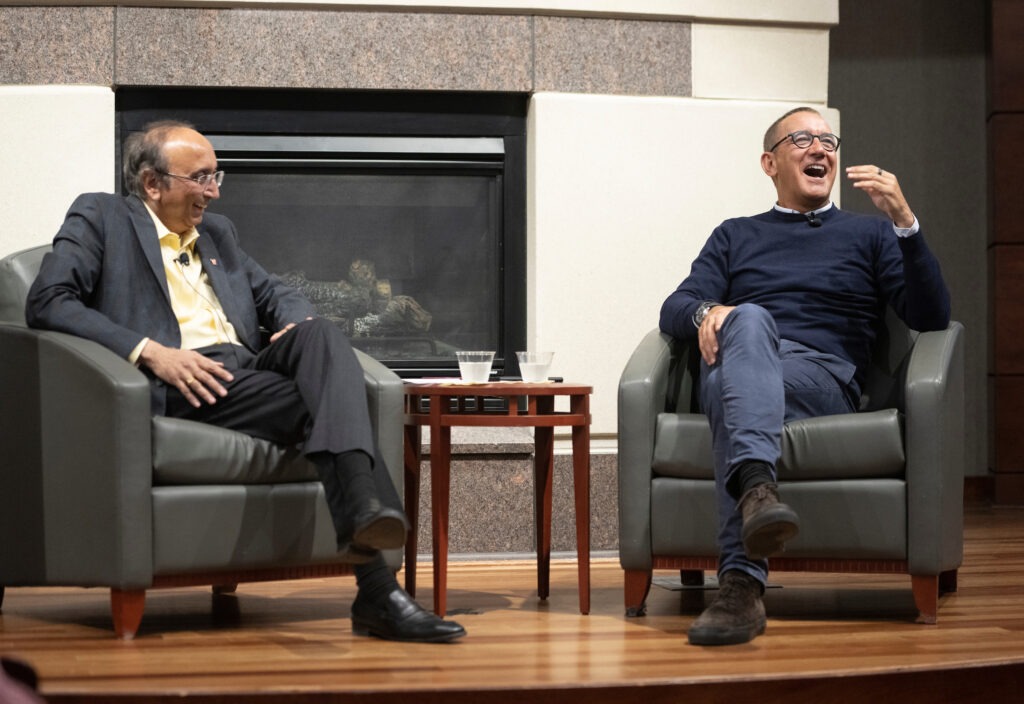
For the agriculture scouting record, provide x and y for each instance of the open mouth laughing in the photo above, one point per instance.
(815, 170)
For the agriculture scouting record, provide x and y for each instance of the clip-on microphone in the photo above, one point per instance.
(812, 219)
(183, 259)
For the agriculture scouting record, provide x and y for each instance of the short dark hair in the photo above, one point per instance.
(144, 151)
(770, 137)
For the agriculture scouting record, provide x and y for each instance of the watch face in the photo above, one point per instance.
(702, 311)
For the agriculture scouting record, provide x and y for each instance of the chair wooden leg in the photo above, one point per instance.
(637, 585)
(926, 597)
(126, 608)
(413, 460)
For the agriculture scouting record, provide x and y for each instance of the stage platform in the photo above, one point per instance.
(830, 639)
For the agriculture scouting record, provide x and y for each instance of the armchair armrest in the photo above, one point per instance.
(643, 390)
(934, 397)
(385, 397)
(82, 493)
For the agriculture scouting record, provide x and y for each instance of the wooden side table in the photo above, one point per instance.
(523, 405)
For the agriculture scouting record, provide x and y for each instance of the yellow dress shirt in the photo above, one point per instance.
(199, 312)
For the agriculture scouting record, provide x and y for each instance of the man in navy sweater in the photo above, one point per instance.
(785, 306)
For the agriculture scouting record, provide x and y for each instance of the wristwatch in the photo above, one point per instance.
(702, 312)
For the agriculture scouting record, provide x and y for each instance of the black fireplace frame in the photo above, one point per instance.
(369, 114)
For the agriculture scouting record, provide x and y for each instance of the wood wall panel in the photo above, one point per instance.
(1007, 271)
(1008, 440)
(1009, 489)
(1007, 65)
(1006, 154)
(1006, 248)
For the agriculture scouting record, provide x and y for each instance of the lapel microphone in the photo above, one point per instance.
(185, 261)
(812, 220)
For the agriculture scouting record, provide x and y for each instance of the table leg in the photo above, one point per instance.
(581, 489)
(413, 458)
(440, 486)
(543, 472)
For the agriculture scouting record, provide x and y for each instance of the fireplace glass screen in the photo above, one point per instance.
(397, 241)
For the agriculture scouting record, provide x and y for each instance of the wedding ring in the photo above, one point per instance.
(190, 381)
(880, 172)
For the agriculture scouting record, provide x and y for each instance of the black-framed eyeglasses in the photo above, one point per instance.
(803, 139)
(203, 180)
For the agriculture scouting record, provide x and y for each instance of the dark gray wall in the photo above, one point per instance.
(909, 80)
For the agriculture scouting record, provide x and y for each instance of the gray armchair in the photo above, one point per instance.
(878, 491)
(95, 491)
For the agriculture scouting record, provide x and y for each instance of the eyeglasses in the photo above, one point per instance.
(803, 139)
(203, 180)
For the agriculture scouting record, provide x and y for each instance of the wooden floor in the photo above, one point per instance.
(830, 638)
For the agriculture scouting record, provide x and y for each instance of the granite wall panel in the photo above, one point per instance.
(491, 506)
(313, 49)
(57, 45)
(617, 57)
(283, 48)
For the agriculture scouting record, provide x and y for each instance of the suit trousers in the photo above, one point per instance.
(307, 388)
(758, 383)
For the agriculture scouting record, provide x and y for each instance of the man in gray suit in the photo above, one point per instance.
(161, 282)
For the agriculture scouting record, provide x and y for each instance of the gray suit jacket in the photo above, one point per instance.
(105, 281)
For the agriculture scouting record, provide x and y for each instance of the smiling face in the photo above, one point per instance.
(180, 203)
(803, 177)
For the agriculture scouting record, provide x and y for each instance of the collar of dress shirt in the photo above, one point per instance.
(163, 232)
(819, 211)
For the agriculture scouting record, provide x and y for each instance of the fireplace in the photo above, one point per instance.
(401, 216)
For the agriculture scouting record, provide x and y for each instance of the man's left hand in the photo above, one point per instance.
(283, 330)
(884, 191)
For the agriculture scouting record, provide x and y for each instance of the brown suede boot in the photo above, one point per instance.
(735, 616)
(767, 523)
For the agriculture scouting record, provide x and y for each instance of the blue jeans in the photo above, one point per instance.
(758, 383)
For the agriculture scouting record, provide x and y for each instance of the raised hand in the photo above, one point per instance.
(884, 191)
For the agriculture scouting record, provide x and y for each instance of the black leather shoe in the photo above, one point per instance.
(395, 616)
(378, 527)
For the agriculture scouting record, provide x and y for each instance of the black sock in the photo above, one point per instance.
(346, 477)
(355, 469)
(375, 579)
(748, 475)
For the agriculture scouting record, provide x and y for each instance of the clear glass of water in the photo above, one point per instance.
(475, 366)
(533, 366)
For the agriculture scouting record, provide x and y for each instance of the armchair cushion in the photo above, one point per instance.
(187, 453)
(851, 519)
(203, 528)
(853, 446)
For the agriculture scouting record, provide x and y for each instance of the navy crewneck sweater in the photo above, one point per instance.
(826, 287)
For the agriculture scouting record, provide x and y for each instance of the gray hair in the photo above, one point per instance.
(144, 151)
(771, 136)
